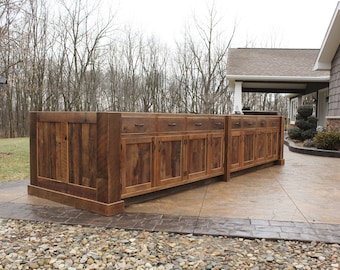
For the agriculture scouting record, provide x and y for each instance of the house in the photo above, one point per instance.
(307, 75)
(289, 71)
(328, 59)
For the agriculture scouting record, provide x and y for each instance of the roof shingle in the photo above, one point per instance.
(273, 62)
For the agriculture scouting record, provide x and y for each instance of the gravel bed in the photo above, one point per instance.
(39, 245)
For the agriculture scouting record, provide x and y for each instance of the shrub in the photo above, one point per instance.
(302, 124)
(305, 111)
(305, 124)
(308, 134)
(295, 133)
(327, 140)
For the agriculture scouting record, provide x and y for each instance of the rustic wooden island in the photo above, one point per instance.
(95, 160)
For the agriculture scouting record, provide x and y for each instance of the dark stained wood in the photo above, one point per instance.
(69, 117)
(52, 184)
(33, 148)
(169, 158)
(197, 147)
(94, 160)
(77, 201)
(198, 123)
(170, 124)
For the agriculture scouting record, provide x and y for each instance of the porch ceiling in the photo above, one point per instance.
(283, 87)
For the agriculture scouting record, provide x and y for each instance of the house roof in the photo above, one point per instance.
(255, 64)
(330, 43)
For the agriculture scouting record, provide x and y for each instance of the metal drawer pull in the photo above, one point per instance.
(139, 125)
(198, 124)
(218, 123)
(250, 123)
(172, 124)
(237, 123)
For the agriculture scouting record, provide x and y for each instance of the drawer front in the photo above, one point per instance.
(197, 123)
(236, 123)
(138, 125)
(217, 123)
(261, 123)
(249, 123)
(273, 122)
(170, 124)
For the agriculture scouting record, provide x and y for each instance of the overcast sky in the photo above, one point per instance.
(284, 23)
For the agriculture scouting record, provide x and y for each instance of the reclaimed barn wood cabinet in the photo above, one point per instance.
(175, 150)
(254, 140)
(94, 160)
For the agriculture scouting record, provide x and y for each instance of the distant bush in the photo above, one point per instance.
(327, 140)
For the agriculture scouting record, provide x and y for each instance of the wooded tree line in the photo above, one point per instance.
(77, 61)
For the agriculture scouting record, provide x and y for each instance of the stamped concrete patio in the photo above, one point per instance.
(297, 201)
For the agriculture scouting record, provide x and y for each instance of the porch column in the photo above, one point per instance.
(238, 98)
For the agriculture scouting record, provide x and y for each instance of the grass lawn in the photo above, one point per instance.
(14, 159)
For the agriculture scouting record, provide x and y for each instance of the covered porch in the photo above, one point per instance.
(284, 71)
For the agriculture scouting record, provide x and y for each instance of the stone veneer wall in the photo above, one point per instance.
(333, 123)
(333, 119)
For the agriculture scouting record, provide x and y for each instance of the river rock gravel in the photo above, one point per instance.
(40, 245)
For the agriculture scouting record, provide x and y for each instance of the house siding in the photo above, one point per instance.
(334, 86)
(333, 119)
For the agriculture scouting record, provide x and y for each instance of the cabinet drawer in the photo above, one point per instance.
(138, 124)
(217, 123)
(261, 123)
(273, 122)
(249, 123)
(169, 124)
(236, 123)
(197, 123)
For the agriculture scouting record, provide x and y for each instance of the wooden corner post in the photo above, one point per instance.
(108, 163)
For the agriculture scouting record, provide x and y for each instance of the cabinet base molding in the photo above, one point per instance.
(105, 209)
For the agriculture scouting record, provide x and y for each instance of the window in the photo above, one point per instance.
(293, 109)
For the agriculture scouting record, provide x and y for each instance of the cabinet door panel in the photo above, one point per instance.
(249, 148)
(260, 146)
(197, 152)
(235, 155)
(137, 164)
(216, 153)
(272, 144)
(169, 159)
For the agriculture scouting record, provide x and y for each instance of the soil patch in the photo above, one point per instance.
(4, 155)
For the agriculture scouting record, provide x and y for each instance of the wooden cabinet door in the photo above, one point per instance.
(215, 158)
(137, 164)
(248, 148)
(196, 156)
(272, 144)
(169, 159)
(235, 150)
(260, 145)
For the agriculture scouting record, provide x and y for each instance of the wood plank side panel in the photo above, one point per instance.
(33, 149)
(71, 189)
(75, 144)
(88, 155)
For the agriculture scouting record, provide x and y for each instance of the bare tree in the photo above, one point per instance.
(209, 52)
(81, 42)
